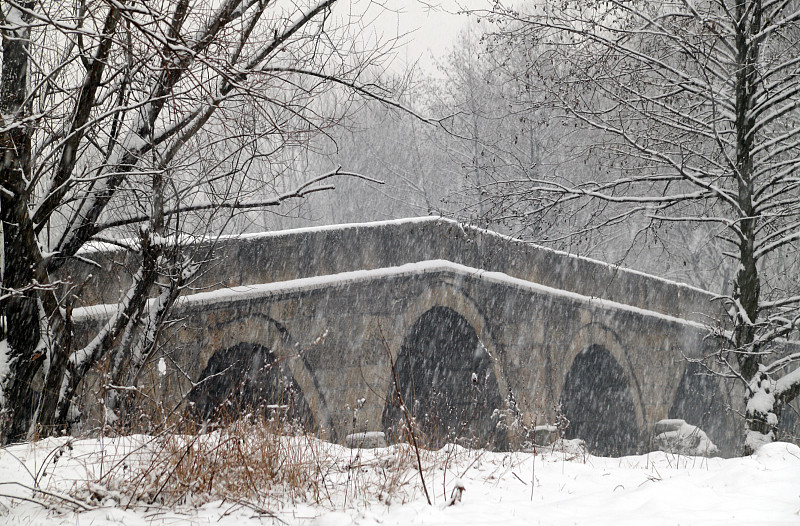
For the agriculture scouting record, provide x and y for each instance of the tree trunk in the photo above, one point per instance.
(760, 415)
(20, 247)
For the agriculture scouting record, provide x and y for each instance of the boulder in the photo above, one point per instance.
(368, 440)
(676, 436)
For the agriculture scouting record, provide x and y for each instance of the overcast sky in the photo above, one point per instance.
(429, 31)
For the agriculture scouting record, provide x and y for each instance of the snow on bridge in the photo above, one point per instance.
(315, 319)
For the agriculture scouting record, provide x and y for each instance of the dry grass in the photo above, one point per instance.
(255, 463)
(247, 460)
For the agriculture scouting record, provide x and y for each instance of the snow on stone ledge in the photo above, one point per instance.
(252, 292)
(94, 247)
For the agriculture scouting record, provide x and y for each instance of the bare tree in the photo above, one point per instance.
(694, 111)
(153, 121)
(499, 136)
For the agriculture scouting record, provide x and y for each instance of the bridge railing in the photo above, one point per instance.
(301, 253)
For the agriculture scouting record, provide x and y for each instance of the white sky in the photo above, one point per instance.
(429, 28)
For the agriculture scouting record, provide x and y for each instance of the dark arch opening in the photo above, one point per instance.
(789, 423)
(248, 379)
(446, 379)
(699, 402)
(598, 403)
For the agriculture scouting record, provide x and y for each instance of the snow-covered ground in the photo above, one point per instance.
(382, 486)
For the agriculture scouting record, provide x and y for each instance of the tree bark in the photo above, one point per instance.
(21, 253)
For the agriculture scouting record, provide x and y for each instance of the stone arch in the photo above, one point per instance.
(598, 403)
(264, 331)
(248, 378)
(594, 333)
(699, 401)
(446, 377)
(445, 295)
(789, 422)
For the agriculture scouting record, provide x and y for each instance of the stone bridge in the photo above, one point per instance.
(340, 322)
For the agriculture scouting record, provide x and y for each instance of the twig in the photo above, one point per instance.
(406, 415)
(533, 472)
(33, 489)
(26, 499)
(263, 512)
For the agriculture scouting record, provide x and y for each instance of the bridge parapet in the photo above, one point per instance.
(301, 253)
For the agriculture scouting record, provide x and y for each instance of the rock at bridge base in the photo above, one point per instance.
(524, 438)
(368, 440)
(676, 436)
(544, 435)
